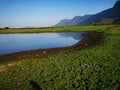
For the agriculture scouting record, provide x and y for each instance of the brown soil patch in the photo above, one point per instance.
(2, 68)
(11, 64)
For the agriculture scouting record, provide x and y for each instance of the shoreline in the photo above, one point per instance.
(89, 40)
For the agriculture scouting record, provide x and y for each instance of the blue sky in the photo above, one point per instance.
(43, 13)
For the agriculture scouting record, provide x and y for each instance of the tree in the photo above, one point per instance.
(7, 27)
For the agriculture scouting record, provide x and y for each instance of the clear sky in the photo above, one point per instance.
(42, 13)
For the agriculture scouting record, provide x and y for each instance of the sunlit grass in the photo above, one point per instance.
(94, 68)
(57, 29)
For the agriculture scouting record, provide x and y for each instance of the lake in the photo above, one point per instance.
(12, 43)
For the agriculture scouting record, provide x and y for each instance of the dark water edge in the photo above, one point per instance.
(89, 40)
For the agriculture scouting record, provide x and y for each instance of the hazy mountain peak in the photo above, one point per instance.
(117, 4)
(76, 17)
(63, 22)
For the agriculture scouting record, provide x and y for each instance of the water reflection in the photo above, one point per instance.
(12, 43)
(74, 35)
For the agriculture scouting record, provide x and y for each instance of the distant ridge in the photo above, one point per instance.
(117, 4)
(73, 22)
(109, 16)
(63, 22)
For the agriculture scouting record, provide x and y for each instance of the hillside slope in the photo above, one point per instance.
(111, 15)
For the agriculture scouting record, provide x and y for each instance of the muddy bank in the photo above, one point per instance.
(90, 39)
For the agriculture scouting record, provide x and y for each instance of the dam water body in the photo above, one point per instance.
(12, 43)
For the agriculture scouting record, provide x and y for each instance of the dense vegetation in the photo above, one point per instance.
(95, 68)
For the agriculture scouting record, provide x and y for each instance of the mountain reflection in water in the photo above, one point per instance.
(74, 35)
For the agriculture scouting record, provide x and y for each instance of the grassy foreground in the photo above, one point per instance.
(95, 68)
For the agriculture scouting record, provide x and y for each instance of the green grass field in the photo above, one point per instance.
(96, 68)
(56, 29)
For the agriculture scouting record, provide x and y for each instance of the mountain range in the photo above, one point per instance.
(109, 16)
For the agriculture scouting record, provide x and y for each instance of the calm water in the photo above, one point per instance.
(12, 43)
